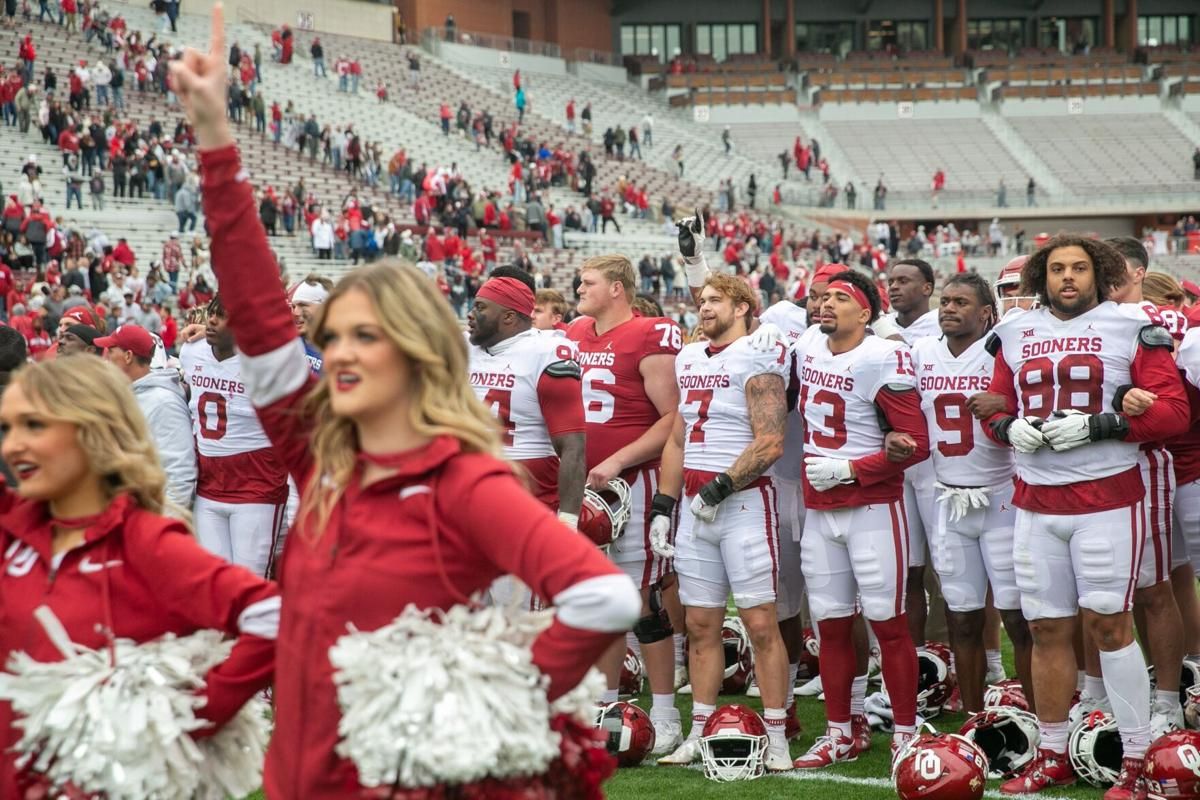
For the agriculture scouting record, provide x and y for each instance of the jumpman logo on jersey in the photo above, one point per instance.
(608, 346)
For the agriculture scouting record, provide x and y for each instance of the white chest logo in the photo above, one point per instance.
(20, 558)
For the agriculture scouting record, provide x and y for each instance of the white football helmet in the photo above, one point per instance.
(1095, 749)
(1008, 736)
(933, 681)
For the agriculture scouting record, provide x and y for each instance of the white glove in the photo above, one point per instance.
(885, 328)
(766, 338)
(962, 499)
(1067, 430)
(569, 519)
(702, 510)
(826, 473)
(1024, 437)
(660, 536)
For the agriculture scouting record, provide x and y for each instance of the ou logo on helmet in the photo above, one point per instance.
(1189, 756)
(929, 766)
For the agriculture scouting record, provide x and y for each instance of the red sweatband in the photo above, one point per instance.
(827, 271)
(858, 294)
(510, 293)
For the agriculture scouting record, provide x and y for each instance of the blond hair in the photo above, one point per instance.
(552, 298)
(91, 394)
(416, 318)
(736, 290)
(1162, 290)
(615, 269)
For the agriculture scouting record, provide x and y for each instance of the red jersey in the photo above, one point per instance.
(616, 407)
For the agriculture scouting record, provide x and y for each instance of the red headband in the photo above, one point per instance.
(510, 293)
(858, 294)
(827, 271)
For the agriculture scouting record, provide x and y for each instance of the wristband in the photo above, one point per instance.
(663, 505)
(696, 269)
(568, 519)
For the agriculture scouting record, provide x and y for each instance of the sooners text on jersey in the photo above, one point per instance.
(237, 463)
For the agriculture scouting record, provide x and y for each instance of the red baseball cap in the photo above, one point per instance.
(133, 338)
(82, 315)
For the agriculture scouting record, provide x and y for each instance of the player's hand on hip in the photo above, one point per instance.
(825, 473)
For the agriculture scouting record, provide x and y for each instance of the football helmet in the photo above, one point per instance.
(810, 655)
(1172, 767)
(1188, 679)
(1191, 708)
(1008, 287)
(1008, 693)
(632, 673)
(733, 744)
(1095, 749)
(603, 515)
(934, 680)
(739, 658)
(939, 766)
(1008, 736)
(628, 732)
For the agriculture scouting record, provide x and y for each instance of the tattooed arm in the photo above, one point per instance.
(766, 403)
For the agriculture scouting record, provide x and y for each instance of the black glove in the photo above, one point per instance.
(691, 235)
(716, 490)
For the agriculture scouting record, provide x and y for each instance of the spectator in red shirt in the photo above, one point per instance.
(434, 251)
(937, 185)
(445, 116)
(123, 254)
(20, 321)
(170, 329)
(606, 214)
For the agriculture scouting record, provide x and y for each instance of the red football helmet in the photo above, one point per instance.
(1008, 285)
(739, 658)
(1008, 693)
(1008, 736)
(603, 515)
(629, 732)
(940, 766)
(810, 655)
(1191, 708)
(733, 744)
(1189, 679)
(934, 679)
(632, 673)
(1173, 767)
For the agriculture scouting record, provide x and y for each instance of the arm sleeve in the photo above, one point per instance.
(1154, 370)
(594, 602)
(274, 365)
(902, 410)
(205, 591)
(1004, 384)
(561, 401)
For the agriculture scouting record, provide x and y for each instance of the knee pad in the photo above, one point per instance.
(878, 609)
(823, 608)
(1104, 602)
(655, 626)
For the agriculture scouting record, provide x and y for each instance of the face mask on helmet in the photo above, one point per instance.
(632, 674)
(942, 766)
(1095, 749)
(933, 683)
(628, 732)
(1008, 693)
(739, 663)
(733, 744)
(1008, 286)
(604, 513)
(1007, 736)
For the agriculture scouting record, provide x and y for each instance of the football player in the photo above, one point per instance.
(306, 300)
(1080, 526)
(971, 539)
(242, 488)
(629, 400)
(855, 542)
(728, 432)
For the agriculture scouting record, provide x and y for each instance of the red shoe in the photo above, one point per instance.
(826, 751)
(860, 730)
(1130, 784)
(792, 725)
(953, 703)
(1046, 770)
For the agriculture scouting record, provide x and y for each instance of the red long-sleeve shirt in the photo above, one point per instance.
(427, 535)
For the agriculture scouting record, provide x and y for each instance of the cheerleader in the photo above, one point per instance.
(404, 499)
(85, 535)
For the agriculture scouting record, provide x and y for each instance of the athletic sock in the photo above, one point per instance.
(661, 701)
(633, 644)
(899, 667)
(1054, 736)
(1128, 687)
(1094, 687)
(1080, 680)
(679, 651)
(858, 695)
(1168, 699)
(776, 719)
(610, 696)
(840, 729)
(700, 714)
(793, 671)
(837, 666)
(994, 664)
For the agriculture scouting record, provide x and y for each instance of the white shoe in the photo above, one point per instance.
(681, 676)
(777, 759)
(668, 730)
(685, 689)
(685, 754)
(752, 690)
(1084, 708)
(1164, 718)
(821, 697)
(810, 689)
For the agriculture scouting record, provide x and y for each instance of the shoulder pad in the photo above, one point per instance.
(897, 388)
(564, 369)
(992, 345)
(1155, 336)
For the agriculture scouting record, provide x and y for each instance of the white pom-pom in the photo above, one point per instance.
(123, 731)
(444, 697)
(581, 701)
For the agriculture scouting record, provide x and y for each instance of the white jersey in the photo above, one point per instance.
(793, 321)
(961, 454)
(505, 379)
(837, 394)
(1072, 364)
(712, 399)
(223, 418)
(923, 326)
